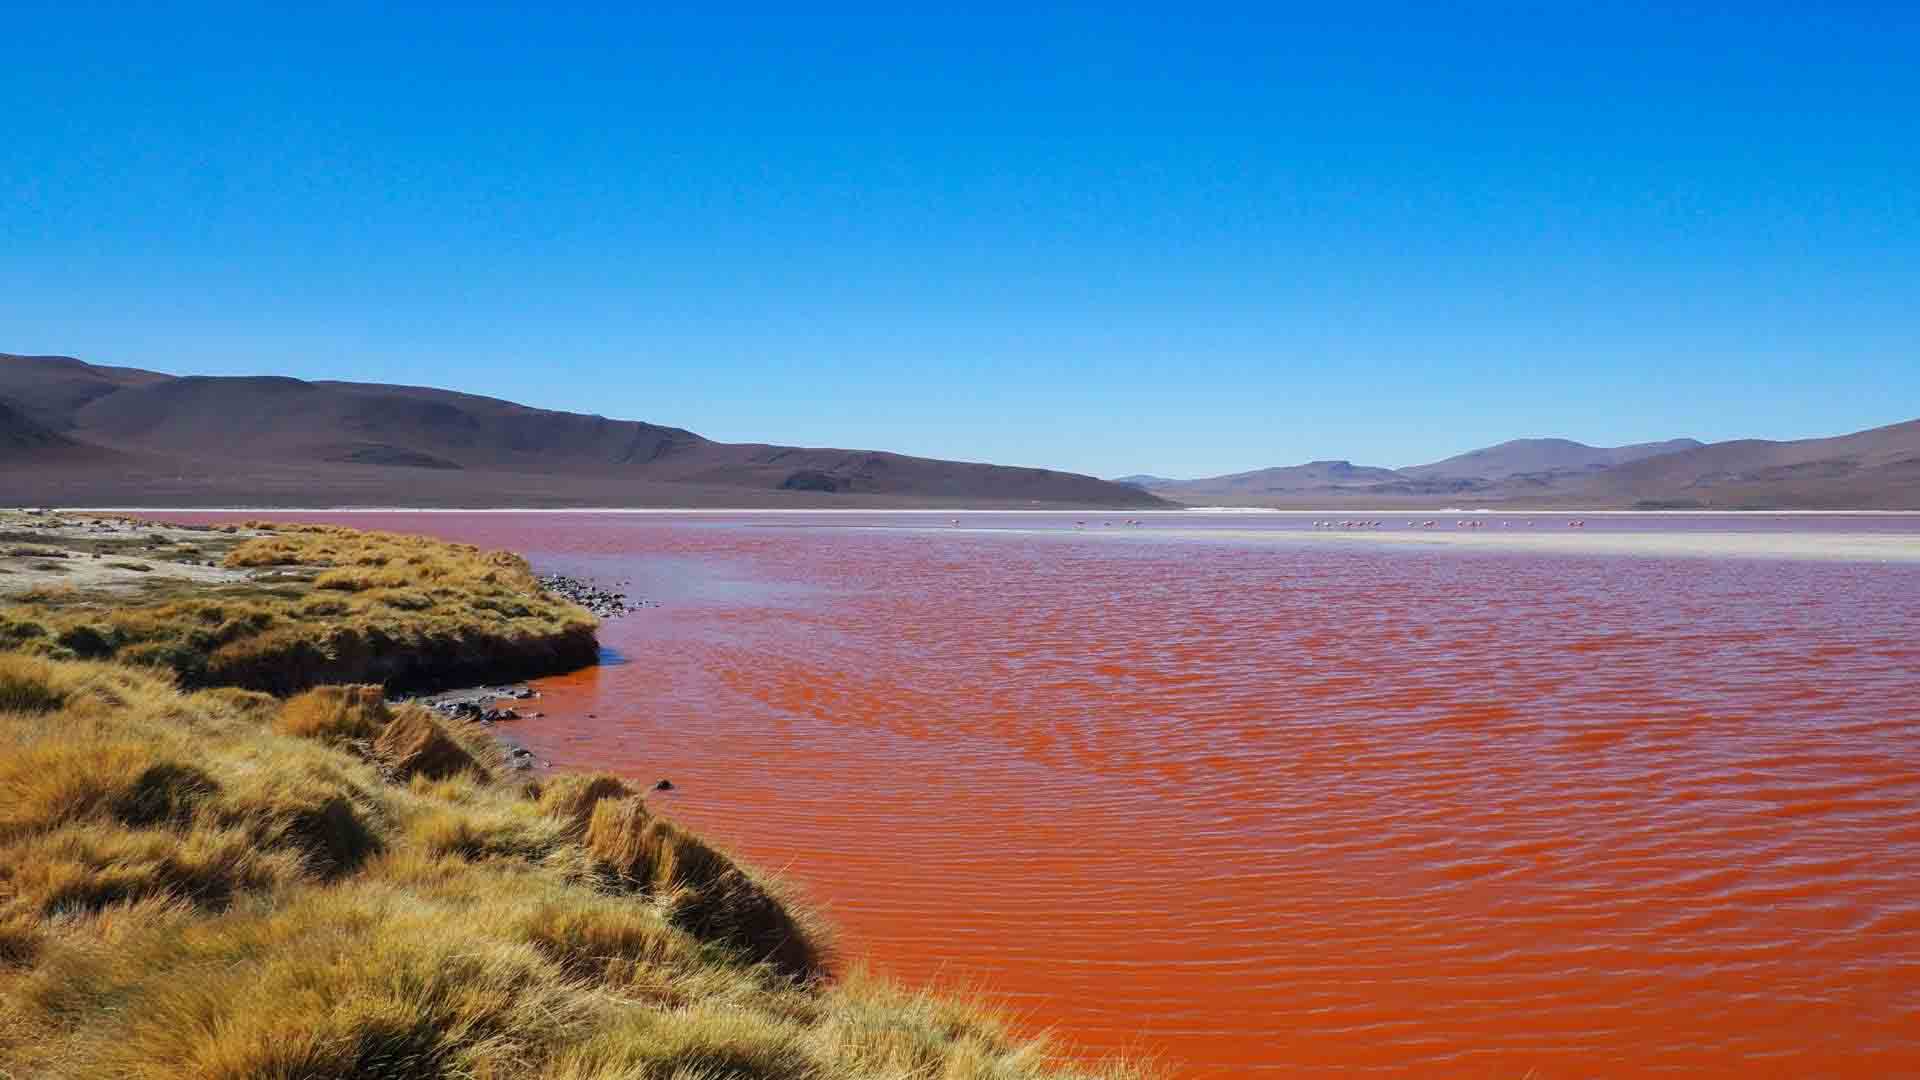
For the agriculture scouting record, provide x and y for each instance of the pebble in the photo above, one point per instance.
(603, 603)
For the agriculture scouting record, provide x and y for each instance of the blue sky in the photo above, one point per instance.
(1184, 243)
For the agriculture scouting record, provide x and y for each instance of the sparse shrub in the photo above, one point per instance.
(87, 642)
(14, 633)
(175, 656)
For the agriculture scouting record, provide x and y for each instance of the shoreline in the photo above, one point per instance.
(951, 510)
(1777, 546)
(317, 880)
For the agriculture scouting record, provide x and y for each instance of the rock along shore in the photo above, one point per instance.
(603, 603)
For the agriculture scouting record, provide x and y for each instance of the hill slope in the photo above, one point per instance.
(1314, 476)
(268, 440)
(1878, 469)
(1874, 469)
(25, 440)
(1522, 457)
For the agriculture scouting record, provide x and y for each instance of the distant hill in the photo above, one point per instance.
(1523, 457)
(270, 440)
(1314, 476)
(1876, 469)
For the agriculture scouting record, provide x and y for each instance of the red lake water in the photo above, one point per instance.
(1256, 802)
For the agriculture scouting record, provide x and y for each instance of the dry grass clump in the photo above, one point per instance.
(572, 797)
(341, 605)
(414, 744)
(338, 713)
(701, 890)
(31, 685)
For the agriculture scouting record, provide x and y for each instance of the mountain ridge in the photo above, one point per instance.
(1876, 468)
(1532, 456)
(277, 440)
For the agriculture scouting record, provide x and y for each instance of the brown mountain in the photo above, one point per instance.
(1874, 469)
(268, 440)
(1541, 457)
(1314, 476)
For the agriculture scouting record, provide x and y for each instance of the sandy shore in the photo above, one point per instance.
(1829, 547)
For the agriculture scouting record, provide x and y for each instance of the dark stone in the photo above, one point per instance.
(663, 785)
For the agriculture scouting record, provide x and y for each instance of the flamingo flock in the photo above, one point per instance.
(1355, 523)
(1459, 523)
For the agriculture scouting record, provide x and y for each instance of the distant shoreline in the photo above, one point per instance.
(950, 511)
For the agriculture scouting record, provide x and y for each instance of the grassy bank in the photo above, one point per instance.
(210, 881)
(302, 605)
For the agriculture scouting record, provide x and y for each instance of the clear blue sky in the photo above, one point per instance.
(1186, 244)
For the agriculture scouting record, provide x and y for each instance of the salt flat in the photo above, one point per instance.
(1817, 546)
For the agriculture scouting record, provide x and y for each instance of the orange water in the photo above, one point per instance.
(1282, 809)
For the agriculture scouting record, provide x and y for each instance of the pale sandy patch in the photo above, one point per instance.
(1832, 547)
(54, 550)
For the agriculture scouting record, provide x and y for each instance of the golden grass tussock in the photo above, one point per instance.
(414, 744)
(215, 883)
(340, 713)
(702, 890)
(572, 797)
(616, 837)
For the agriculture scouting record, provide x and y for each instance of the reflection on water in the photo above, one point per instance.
(1283, 809)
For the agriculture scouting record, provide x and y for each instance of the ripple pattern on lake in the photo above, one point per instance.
(1297, 810)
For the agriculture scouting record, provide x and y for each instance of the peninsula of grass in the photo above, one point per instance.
(203, 880)
(311, 604)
